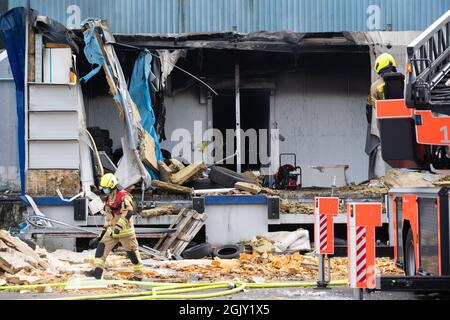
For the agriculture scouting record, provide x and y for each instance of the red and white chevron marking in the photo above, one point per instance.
(361, 263)
(323, 241)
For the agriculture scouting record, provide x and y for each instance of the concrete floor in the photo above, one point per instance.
(336, 293)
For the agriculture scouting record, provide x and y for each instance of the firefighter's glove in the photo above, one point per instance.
(121, 224)
(130, 213)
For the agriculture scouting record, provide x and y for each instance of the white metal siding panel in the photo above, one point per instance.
(53, 126)
(48, 97)
(56, 64)
(54, 155)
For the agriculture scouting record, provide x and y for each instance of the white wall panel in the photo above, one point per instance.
(50, 97)
(53, 125)
(54, 155)
(182, 112)
(322, 116)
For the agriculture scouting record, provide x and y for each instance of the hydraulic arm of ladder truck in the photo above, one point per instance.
(414, 123)
(414, 120)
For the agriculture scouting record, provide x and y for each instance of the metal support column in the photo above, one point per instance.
(322, 283)
(358, 294)
(238, 117)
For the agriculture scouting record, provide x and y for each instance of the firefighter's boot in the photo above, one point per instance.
(96, 273)
(99, 262)
(135, 258)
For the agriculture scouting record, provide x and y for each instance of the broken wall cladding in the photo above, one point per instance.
(178, 16)
(11, 213)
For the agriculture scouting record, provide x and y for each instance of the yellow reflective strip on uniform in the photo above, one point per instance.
(138, 267)
(122, 222)
(380, 90)
(99, 261)
(124, 232)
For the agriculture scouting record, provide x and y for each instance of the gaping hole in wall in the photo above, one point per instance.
(315, 97)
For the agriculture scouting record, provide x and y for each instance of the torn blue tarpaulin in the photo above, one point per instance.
(13, 27)
(92, 51)
(140, 93)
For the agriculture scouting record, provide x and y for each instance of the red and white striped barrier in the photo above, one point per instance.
(362, 218)
(361, 254)
(324, 211)
(323, 228)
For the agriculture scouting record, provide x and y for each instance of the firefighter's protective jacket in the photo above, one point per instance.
(376, 91)
(117, 207)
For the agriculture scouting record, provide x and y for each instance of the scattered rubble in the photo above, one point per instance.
(174, 175)
(63, 265)
(185, 174)
(402, 178)
(160, 211)
(280, 242)
(170, 187)
(16, 255)
(271, 267)
(287, 206)
(249, 187)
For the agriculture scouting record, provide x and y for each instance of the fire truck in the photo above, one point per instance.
(414, 125)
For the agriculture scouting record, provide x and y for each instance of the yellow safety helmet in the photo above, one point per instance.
(383, 61)
(108, 181)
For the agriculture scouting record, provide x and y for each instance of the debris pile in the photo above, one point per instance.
(22, 265)
(160, 211)
(175, 174)
(287, 206)
(401, 178)
(280, 242)
(16, 255)
(270, 267)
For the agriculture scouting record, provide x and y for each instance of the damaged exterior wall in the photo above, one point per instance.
(320, 113)
(323, 125)
(9, 155)
(178, 16)
(11, 213)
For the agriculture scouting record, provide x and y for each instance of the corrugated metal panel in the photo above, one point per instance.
(177, 16)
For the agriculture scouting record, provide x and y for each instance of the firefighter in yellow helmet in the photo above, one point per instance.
(118, 227)
(383, 64)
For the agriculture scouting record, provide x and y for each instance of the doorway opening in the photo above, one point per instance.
(255, 114)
